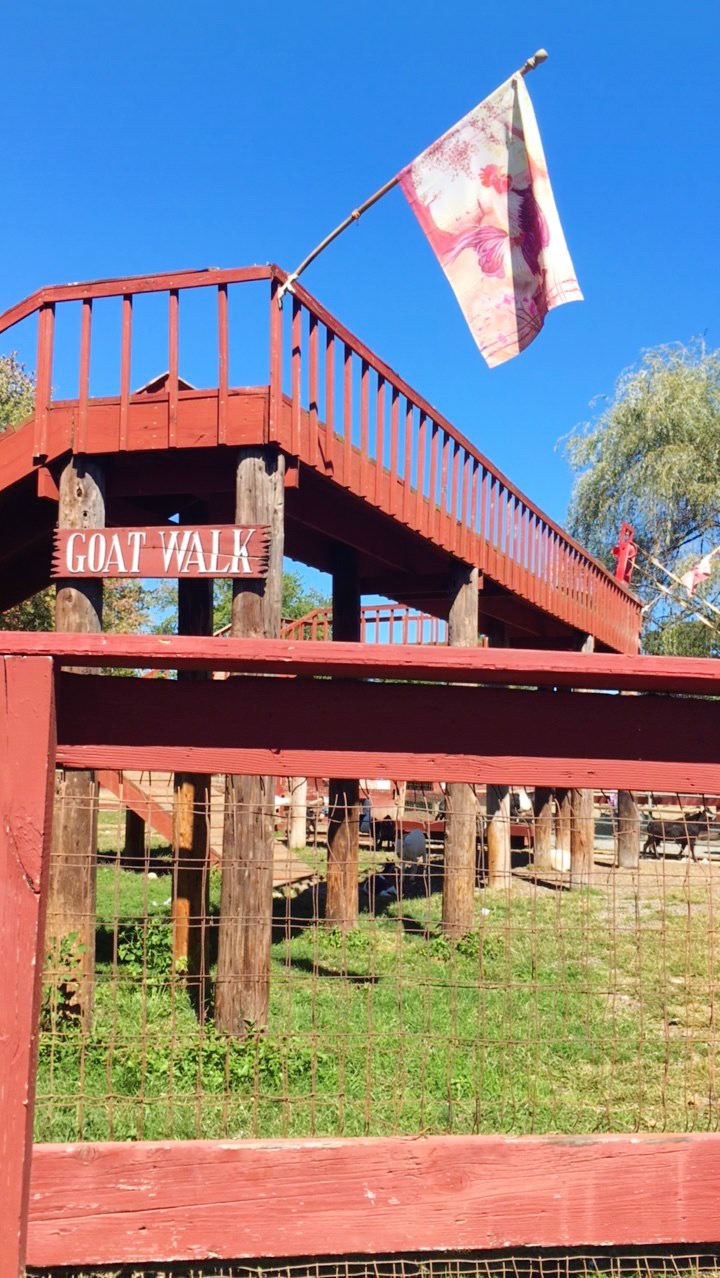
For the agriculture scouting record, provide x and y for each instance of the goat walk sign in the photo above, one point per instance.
(174, 550)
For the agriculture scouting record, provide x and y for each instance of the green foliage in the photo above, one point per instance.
(296, 602)
(146, 951)
(61, 981)
(652, 457)
(17, 391)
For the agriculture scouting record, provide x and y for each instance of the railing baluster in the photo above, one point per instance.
(329, 399)
(394, 448)
(223, 363)
(420, 494)
(275, 404)
(364, 426)
(173, 329)
(379, 438)
(454, 491)
(296, 369)
(347, 416)
(43, 379)
(492, 530)
(125, 360)
(433, 480)
(313, 388)
(407, 472)
(84, 386)
(443, 482)
(465, 516)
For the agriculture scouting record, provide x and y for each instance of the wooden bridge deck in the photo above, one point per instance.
(370, 463)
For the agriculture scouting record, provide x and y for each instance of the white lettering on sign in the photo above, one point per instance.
(224, 551)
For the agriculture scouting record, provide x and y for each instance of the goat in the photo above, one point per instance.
(685, 832)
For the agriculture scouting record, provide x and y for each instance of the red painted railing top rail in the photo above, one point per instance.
(340, 409)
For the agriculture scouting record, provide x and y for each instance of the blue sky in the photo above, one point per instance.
(141, 137)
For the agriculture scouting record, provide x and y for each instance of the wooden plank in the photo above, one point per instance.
(698, 676)
(178, 551)
(27, 765)
(300, 727)
(233, 1200)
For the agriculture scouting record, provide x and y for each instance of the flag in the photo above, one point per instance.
(482, 195)
(693, 577)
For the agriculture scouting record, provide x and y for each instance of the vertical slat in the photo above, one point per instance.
(454, 495)
(419, 497)
(465, 517)
(364, 426)
(274, 428)
(492, 527)
(407, 472)
(484, 539)
(296, 366)
(347, 415)
(445, 447)
(432, 505)
(223, 363)
(329, 399)
(173, 325)
(394, 447)
(313, 388)
(84, 386)
(125, 360)
(379, 438)
(43, 382)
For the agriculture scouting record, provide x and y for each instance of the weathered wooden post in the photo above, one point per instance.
(71, 898)
(461, 817)
(563, 824)
(582, 838)
(628, 826)
(498, 837)
(191, 880)
(543, 827)
(245, 932)
(341, 906)
(297, 813)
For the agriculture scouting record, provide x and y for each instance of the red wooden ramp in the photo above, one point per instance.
(370, 462)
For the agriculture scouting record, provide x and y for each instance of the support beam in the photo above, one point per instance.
(498, 837)
(628, 842)
(297, 813)
(191, 833)
(243, 971)
(582, 838)
(461, 818)
(78, 608)
(341, 907)
(27, 766)
(543, 827)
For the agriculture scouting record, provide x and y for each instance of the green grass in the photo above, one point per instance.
(559, 1013)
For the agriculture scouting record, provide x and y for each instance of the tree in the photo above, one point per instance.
(652, 457)
(17, 391)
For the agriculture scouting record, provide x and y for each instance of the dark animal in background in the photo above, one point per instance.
(384, 832)
(686, 832)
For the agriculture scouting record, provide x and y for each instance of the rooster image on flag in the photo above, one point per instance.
(483, 197)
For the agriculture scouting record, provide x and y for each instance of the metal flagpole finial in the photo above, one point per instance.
(533, 62)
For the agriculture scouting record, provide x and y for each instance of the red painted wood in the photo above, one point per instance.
(329, 401)
(43, 384)
(223, 363)
(379, 439)
(125, 369)
(695, 676)
(347, 415)
(313, 390)
(84, 382)
(223, 550)
(296, 357)
(173, 357)
(299, 727)
(233, 1200)
(27, 767)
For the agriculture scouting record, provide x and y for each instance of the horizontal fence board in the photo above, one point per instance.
(199, 1200)
(692, 675)
(302, 727)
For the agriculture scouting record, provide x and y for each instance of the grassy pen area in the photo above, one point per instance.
(559, 1012)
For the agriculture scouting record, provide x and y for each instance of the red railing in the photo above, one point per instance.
(385, 623)
(339, 408)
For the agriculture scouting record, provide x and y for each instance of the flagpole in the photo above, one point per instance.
(525, 69)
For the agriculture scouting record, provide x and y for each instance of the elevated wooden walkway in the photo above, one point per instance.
(370, 462)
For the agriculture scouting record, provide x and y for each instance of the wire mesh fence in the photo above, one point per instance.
(557, 1010)
(607, 1263)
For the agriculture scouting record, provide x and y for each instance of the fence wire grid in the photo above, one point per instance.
(557, 1011)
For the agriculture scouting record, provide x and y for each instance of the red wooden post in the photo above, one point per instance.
(27, 766)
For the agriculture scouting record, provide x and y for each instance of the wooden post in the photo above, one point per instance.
(563, 822)
(245, 932)
(134, 850)
(297, 813)
(191, 880)
(498, 836)
(461, 811)
(27, 767)
(78, 607)
(628, 827)
(543, 831)
(341, 906)
(582, 838)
